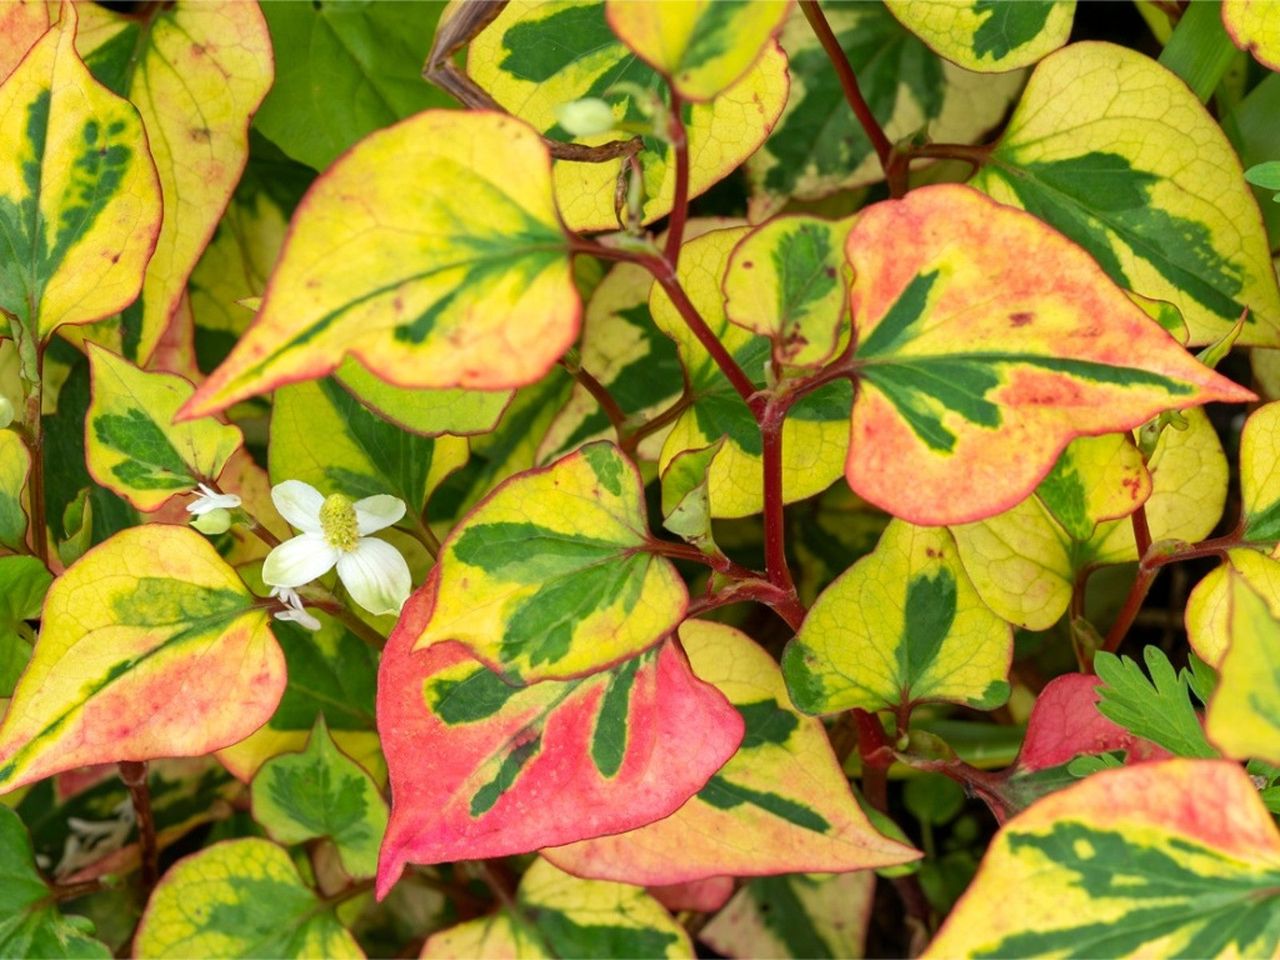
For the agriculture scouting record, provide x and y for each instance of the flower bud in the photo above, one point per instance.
(214, 522)
(586, 117)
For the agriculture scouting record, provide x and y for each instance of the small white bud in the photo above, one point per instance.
(213, 522)
(586, 117)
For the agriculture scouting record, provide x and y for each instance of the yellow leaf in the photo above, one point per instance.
(1254, 25)
(988, 35)
(1244, 712)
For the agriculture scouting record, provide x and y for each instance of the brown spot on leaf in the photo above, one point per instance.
(1021, 318)
(201, 134)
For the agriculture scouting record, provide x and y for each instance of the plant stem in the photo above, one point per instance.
(680, 203)
(848, 81)
(631, 441)
(134, 775)
(775, 537)
(717, 562)
(331, 605)
(422, 533)
(31, 375)
(600, 393)
(1141, 529)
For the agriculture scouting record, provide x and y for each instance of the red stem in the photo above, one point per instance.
(1141, 529)
(848, 81)
(680, 203)
(775, 536)
(600, 393)
(134, 775)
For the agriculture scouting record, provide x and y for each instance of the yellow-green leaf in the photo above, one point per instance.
(1171, 859)
(15, 464)
(428, 412)
(988, 35)
(322, 435)
(196, 71)
(1095, 479)
(1116, 152)
(799, 916)
(968, 349)
(913, 605)
(815, 434)
(239, 898)
(818, 147)
(432, 251)
(784, 789)
(537, 55)
(79, 198)
(321, 792)
(703, 46)
(1260, 473)
(497, 935)
(1244, 713)
(786, 280)
(686, 507)
(132, 446)
(1254, 25)
(549, 577)
(150, 646)
(1208, 614)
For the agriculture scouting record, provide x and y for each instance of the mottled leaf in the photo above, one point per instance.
(79, 198)
(537, 55)
(550, 576)
(913, 605)
(966, 348)
(1095, 479)
(1244, 714)
(474, 761)
(988, 35)
(1116, 152)
(1254, 25)
(1177, 858)
(239, 898)
(1208, 606)
(15, 465)
(150, 646)
(422, 275)
(783, 788)
(132, 446)
(1260, 473)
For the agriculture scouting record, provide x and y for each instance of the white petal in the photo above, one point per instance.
(299, 561)
(208, 502)
(299, 503)
(300, 617)
(376, 575)
(377, 513)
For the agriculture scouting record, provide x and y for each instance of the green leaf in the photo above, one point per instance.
(15, 464)
(30, 924)
(239, 898)
(343, 70)
(1158, 709)
(23, 584)
(686, 506)
(1199, 51)
(321, 792)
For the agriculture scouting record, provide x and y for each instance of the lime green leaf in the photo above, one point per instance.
(704, 47)
(196, 72)
(686, 507)
(79, 199)
(1208, 607)
(497, 935)
(549, 577)
(1128, 164)
(321, 792)
(1095, 479)
(132, 446)
(30, 924)
(612, 748)
(623, 349)
(817, 147)
(1177, 858)
(145, 641)
(331, 673)
(538, 55)
(1260, 473)
(1254, 25)
(344, 70)
(482, 296)
(239, 898)
(1244, 712)
(784, 788)
(988, 35)
(428, 412)
(966, 347)
(15, 464)
(912, 603)
(799, 916)
(23, 584)
(322, 435)
(815, 434)
(1158, 709)
(1265, 175)
(786, 281)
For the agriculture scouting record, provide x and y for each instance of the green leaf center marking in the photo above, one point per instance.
(569, 938)
(153, 463)
(800, 263)
(929, 614)
(1010, 25)
(316, 802)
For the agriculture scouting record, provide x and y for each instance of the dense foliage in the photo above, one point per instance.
(757, 478)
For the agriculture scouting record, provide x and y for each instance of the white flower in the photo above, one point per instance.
(207, 501)
(335, 532)
(294, 610)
